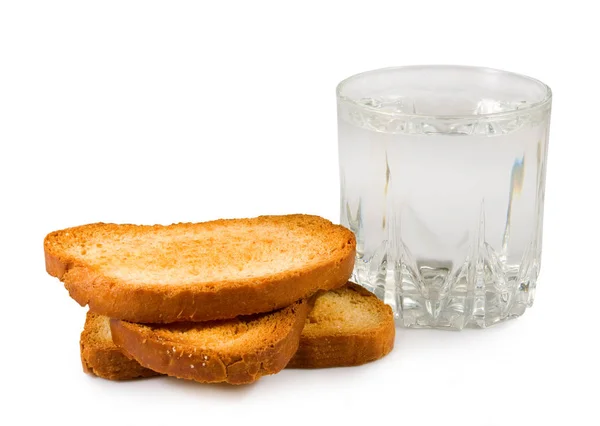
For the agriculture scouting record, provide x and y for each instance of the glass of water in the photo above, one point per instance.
(442, 180)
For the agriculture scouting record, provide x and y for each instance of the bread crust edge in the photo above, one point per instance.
(207, 366)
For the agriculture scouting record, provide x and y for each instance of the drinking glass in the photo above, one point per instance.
(442, 180)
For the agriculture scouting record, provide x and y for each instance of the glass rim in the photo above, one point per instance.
(492, 115)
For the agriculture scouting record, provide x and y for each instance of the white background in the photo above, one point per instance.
(160, 112)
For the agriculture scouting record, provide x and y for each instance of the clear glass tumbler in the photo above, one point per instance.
(442, 181)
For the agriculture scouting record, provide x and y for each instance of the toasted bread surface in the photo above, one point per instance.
(202, 271)
(101, 357)
(236, 351)
(346, 327)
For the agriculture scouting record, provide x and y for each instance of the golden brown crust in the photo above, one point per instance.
(102, 358)
(152, 348)
(339, 348)
(154, 303)
(329, 347)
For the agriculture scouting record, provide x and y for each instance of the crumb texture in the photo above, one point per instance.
(200, 253)
(349, 309)
(348, 326)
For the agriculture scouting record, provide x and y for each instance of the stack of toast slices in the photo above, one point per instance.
(222, 301)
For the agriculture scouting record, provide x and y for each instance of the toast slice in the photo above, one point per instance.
(346, 327)
(101, 357)
(202, 271)
(236, 351)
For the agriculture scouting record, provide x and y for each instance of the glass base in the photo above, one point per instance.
(455, 311)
